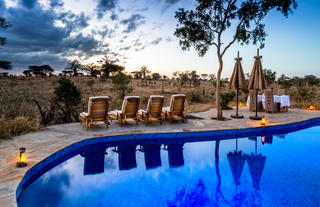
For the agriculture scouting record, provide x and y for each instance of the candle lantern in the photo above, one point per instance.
(263, 121)
(22, 157)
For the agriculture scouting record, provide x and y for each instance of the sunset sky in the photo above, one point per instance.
(141, 33)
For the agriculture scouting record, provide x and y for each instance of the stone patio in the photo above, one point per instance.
(41, 144)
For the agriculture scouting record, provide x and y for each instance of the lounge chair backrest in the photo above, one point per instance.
(177, 104)
(269, 104)
(281, 92)
(252, 102)
(130, 106)
(155, 104)
(98, 107)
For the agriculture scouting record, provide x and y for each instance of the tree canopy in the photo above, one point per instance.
(109, 66)
(42, 70)
(73, 67)
(4, 24)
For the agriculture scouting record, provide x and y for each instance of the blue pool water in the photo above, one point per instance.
(271, 170)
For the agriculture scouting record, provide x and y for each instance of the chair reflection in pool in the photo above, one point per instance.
(152, 156)
(93, 161)
(175, 154)
(127, 156)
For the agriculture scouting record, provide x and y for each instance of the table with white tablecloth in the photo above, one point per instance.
(284, 100)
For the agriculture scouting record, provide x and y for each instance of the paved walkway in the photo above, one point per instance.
(41, 144)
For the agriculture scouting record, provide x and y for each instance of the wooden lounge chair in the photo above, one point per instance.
(129, 110)
(97, 111)
(176, 109)
(269, 103)
(154, 110)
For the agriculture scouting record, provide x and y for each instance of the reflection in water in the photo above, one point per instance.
(93, 161)
(175, 154)
(151, 155)
(196, 196)
(189, 174)
(266, 139)
(127, 156)
(48, 191)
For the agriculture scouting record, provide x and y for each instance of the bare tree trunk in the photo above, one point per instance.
(219, 110)
(162, 85)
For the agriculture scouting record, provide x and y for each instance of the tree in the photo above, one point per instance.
(67, 98)
(73, 67)
(155, 76)
(5, 65)
(27, 73)
(120, 84)
(204, 76)
(41, 70)
(205, 25)
(194, 78)
(4, 25)
(136, 74)
(269, 76)
(311, 80)
(145, 71)
(109, 66)
(92, 69)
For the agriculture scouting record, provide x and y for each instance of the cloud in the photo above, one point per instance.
(29, 4)
(156, 41)
(133, 22)
(125, 48)
(56, 3)
(104, 6)
(171, 2)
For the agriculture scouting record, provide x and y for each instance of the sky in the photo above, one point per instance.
(140, 32)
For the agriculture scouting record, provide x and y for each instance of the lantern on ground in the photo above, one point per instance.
(22, 157)
(263, 121)
(311, 108)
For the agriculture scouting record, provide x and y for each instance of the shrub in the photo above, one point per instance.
(120, 84)
(195, 96)
(19, 125)
(225, 99)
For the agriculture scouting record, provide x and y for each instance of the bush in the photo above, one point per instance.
(19, 125)
(195, 96)
(225, 99)
(67, 98)
(120, 84)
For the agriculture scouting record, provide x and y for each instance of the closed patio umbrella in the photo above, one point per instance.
(256, 165)
(257, 81)
(237, 81)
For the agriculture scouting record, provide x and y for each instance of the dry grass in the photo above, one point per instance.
(17, 94)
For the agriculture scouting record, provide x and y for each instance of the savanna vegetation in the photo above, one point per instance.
(30, 102)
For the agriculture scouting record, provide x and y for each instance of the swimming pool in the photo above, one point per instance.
(271, 166)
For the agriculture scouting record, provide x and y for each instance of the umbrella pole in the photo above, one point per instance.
(237, 116)
(256, 117)
(256, 102)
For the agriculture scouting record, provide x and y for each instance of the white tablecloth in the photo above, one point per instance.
(283, 100)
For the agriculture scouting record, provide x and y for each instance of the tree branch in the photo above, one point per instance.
(234, 38)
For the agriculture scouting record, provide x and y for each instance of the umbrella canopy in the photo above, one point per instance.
(257, 80)
(256, 164)
(237, 80)
(236, 162)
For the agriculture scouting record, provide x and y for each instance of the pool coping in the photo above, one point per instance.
(69, 151)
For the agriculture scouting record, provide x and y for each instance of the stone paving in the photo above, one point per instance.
(41, 144)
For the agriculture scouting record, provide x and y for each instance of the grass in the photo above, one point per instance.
(19, 113)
